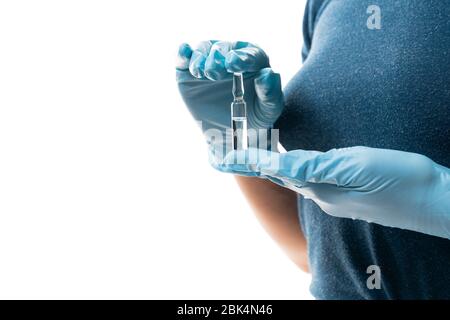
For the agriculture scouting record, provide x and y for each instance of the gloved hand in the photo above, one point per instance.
(391, 188)
(204, 78)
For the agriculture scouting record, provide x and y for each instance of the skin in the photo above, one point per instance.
(276, 209)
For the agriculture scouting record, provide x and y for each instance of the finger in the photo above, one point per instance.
(246, 58)
(270, 96)
(215, 62)
(198, 59)
(297, 168)
(336, 167)
(183, 57)
(291, 165)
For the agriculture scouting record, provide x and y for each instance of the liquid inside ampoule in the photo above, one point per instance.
(239, 125)
(239, 114)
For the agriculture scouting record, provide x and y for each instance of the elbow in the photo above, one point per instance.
(303, 265)
(300, 258)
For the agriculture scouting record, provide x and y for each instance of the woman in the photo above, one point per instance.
(385, 88)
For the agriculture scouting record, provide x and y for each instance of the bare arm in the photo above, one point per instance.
(276, 209)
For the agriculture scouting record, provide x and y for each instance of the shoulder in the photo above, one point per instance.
(313, 10)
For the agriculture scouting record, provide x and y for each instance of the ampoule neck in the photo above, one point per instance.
(238, 86)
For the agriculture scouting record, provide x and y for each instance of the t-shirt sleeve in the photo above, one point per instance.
(312, 13)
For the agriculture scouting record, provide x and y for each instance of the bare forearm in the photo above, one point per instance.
(276, 209)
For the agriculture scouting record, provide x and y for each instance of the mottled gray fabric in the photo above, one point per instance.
(386, 88)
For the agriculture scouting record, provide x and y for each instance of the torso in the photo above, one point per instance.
(387, 88)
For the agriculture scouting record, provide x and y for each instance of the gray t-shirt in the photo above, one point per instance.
(384, 88)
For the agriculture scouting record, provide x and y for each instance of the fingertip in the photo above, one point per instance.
(267, 75)
(268, 86)
(197, 64)
(248, 59)
(215, 65)
(183, 56)
(198, 58)
(185, 50)
(238, 61)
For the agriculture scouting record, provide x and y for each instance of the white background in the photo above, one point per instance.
(105, 188)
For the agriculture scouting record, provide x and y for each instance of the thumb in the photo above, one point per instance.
(269, 96)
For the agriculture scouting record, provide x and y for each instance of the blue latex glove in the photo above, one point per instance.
(204, 78)
(391, 188)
